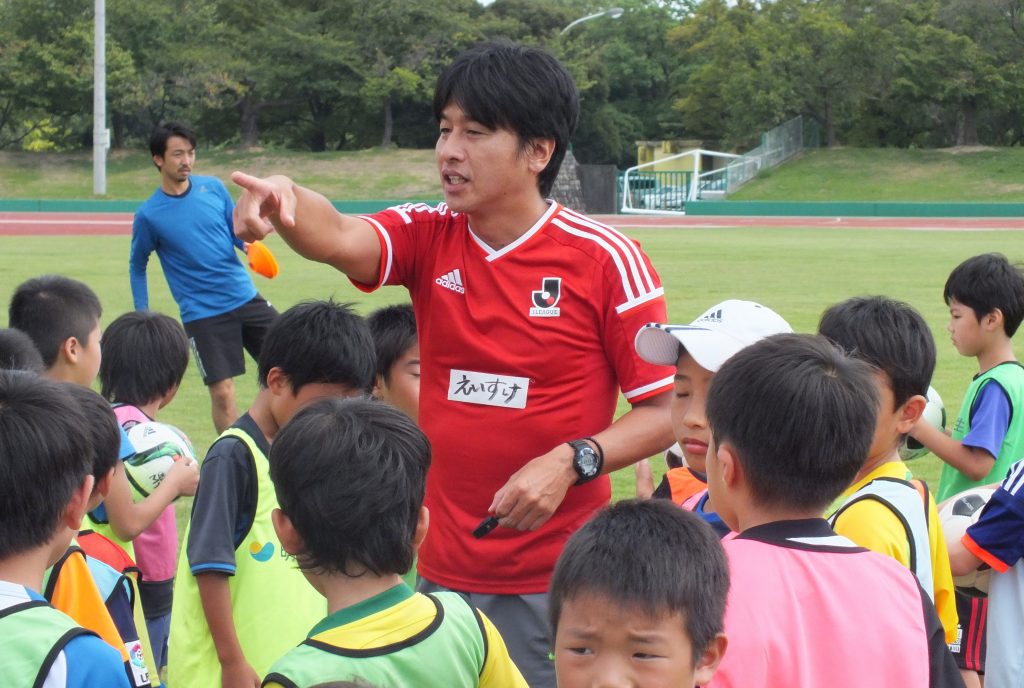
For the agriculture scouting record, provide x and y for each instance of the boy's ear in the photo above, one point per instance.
(291, 541)
(378, 387)
(992, 320)
(101, 488)
(710, 659)
(910, 412)
(70, 349)
(76, 507)
(278, 382)
(422, 524)
(103, 484)
(731, 470)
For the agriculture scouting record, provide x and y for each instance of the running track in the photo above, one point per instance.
(113, 224)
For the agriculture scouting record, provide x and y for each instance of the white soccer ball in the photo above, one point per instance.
(935, 414)
(956, 514)
(156, 447)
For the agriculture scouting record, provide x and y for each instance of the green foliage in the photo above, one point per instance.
(328, 75)
(872, 72)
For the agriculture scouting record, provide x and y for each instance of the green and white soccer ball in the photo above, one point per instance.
(157, 446)
(956, 514)
(935, 414)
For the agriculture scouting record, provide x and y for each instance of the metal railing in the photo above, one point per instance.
(646, 191)
(777, 146)
(651, 191)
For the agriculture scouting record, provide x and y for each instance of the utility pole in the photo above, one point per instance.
(100, 133)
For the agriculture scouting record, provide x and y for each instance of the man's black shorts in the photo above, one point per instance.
(217, 341)
(969, 647)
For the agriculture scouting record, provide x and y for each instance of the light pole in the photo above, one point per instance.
(612, 12)
(100, 133)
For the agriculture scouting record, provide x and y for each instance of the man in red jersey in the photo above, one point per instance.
(527, 313)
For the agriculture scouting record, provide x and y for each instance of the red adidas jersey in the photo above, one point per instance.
(522, 349)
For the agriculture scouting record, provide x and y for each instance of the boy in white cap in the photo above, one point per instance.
(698, 350)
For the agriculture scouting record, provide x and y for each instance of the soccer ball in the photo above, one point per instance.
(156, 447)
(956, 514)
(935, 414)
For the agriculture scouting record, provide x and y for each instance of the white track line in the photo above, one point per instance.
(64, 222)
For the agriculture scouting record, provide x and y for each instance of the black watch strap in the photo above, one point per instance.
(588, 459)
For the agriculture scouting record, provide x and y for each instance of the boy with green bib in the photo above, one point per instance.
(350, 476)
(45, 463)
(985, 295)
(239, 599)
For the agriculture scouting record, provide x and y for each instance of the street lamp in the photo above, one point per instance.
(613, 12)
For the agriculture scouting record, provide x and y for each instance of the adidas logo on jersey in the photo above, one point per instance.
(453, 281)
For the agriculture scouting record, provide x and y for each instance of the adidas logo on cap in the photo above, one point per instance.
(712, 316)
(453, 281)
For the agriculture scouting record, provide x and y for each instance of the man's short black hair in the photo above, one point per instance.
(525, 90)
(45, 453)
(18, 352)
(319, 342)
(158, 139)
(52, 308)
(351, 474)
(102, 426)
(800, 415)
(890, 335)
(145, 355)
(985, 283)
(393, 329)
(650, 555)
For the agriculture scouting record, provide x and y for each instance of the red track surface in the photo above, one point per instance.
(59, 224)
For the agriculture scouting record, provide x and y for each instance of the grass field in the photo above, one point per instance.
(369, 174)
(889, 174)
(844, 174)
(798, 272)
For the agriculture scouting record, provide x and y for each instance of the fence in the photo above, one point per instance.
(652, 191)
(777, 146)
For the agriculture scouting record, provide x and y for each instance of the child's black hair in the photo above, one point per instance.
(800, 415)
(393, 329)
(888, 334)
(45, 453)
(351, 475)
(650, 555)
(145, 355)
(319, 342)
(525, 90)
(18, 352)
(102, 426)
(987, 282)
(52, 308)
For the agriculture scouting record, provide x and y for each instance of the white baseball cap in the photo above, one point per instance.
(713, 338)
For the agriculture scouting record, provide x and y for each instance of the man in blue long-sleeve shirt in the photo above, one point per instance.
(187, 221)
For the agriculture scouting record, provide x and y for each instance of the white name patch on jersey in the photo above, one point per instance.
(489, 389)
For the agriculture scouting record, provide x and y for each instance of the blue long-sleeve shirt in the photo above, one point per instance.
(193, 235)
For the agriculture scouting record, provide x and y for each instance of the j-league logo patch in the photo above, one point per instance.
(453, 281)
(545, 301)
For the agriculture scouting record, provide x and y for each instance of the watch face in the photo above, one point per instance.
(586, 460)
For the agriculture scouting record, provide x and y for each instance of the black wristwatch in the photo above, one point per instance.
(585, 460)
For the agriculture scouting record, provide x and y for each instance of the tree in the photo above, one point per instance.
(406, 45)
(46, 57)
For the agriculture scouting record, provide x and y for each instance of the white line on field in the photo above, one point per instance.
(65, 222)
